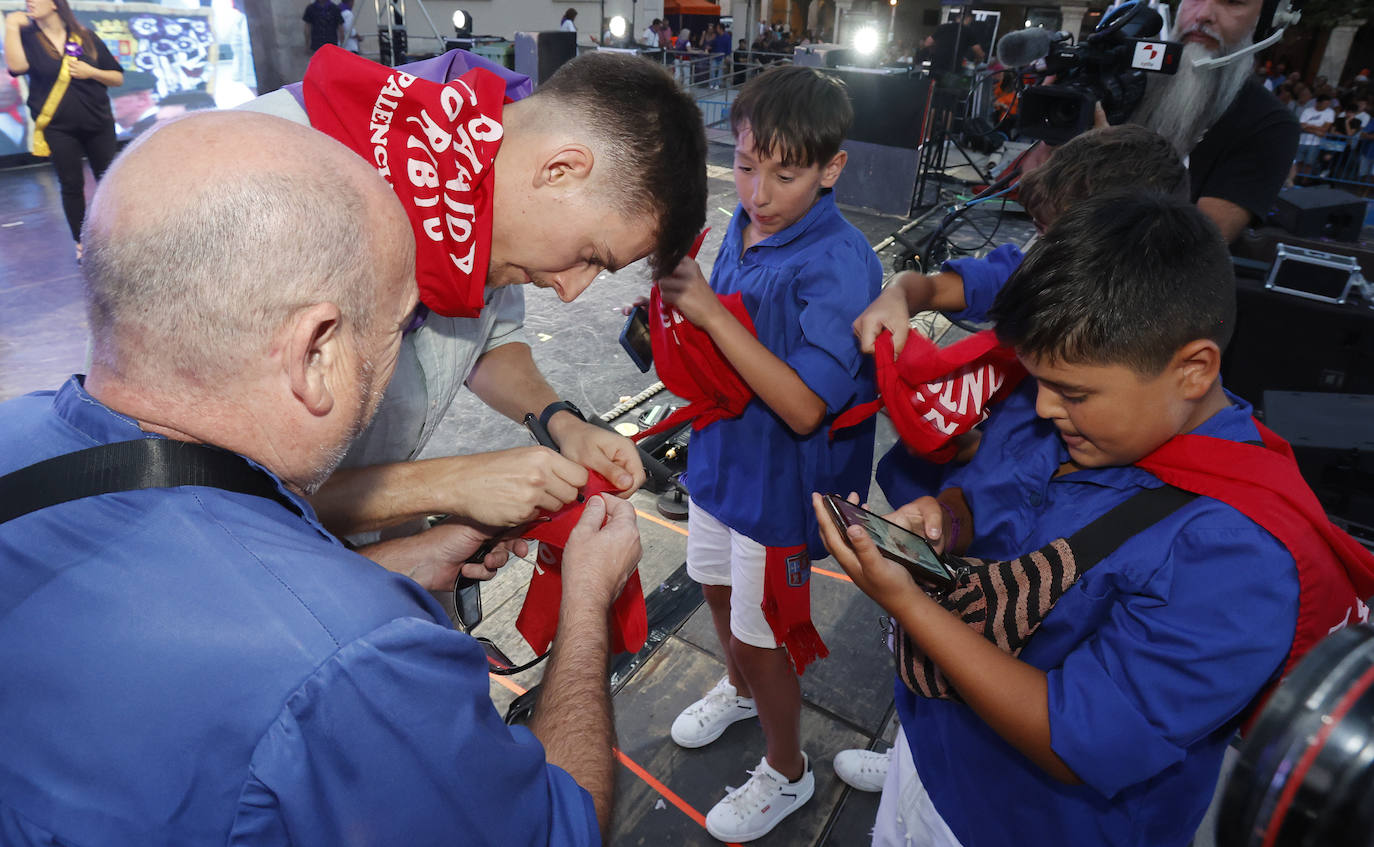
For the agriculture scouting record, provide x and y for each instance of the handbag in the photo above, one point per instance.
(1006, 601)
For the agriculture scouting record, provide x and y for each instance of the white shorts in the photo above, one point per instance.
(717, 555)
(906, 816)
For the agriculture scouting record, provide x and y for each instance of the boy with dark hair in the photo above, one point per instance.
(1110, 724)
(803, 273)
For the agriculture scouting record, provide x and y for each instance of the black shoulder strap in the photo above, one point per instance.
(129, 466)
(1144, 509)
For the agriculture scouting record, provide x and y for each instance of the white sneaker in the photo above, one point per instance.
(862, 769)
(705, 720)
(752, 810)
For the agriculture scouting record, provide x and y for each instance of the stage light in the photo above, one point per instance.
(462, 23)
(866, 40)
(618, 26)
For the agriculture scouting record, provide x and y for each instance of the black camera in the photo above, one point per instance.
(1109, 67)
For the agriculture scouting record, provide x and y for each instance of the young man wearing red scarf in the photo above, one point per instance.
(502, 189)
(1110, 724)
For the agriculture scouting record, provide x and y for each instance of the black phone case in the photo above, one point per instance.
(644, 363)
(917, 571)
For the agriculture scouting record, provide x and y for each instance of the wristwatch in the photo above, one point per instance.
(554, 408)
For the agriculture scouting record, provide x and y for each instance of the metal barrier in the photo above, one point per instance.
(1343, 160)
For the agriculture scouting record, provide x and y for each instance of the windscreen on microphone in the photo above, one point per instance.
(1024, 46)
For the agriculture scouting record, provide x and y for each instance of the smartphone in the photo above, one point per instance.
(635, 339)
(902, 546)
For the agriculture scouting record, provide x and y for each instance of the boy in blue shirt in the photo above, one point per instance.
(1110, 725)
(804, 274)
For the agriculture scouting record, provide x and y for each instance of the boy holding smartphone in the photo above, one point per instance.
(804, 274)
(1110, 725)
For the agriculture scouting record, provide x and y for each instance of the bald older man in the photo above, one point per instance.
(197, 665)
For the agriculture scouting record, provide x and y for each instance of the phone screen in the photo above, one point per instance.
(900, 545)
(635, 339)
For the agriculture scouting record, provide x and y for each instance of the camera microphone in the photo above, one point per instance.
(1019, 48)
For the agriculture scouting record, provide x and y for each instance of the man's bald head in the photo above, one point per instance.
(208, 233)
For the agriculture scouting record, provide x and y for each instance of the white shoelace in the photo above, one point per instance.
(754, 794)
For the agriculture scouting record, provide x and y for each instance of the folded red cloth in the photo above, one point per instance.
(538, 619)
(934, 394)
(1335, 573)
(435, 145)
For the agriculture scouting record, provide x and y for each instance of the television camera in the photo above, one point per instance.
(1109, 67)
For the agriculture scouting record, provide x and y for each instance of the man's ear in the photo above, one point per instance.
(566, 166)
(314, 347)
(1197, 364)
(831, 172)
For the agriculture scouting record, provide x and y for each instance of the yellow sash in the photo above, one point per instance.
(59, 88)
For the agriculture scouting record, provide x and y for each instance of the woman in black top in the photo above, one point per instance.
(39, 43)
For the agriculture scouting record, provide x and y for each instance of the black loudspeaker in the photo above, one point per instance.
(392, 54)
(1320, 213)
(539, 54)
(889, 109)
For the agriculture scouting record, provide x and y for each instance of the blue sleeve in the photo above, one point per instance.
(833, 292)
(1181, 657)
(983, 278)
(395, 740)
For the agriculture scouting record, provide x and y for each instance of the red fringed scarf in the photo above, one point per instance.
(934, 394)
(787, 604)
(1335, 573)
(435, 145)
(538, 619)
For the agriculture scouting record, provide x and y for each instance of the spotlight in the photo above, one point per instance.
(866, 41)
(618, 26)
(462, 23)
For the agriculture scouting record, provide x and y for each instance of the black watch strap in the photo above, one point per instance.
(554, 408)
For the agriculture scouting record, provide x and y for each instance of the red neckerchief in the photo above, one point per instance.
(692, 366)
(933, 393)
(538, 619)
(1335, 573)
(435, 145)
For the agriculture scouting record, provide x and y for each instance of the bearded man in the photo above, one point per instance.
(1237, 138)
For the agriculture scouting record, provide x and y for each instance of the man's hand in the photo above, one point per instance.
(602, 550)
(509, 487)
(686, 290)
(888, 312)
(608, 453)
(437, 557)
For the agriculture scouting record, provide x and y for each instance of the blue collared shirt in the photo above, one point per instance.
(196, 666)
(1150, 657)
(803, 288)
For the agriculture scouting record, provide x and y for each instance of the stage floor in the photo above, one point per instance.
(664, 791)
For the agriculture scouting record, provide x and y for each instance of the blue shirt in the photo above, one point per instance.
(720, 45)
(803, 288)
(902, 476)
(195, 666)
(1150, 657)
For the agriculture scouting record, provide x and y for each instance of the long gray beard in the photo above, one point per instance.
(1183, 106)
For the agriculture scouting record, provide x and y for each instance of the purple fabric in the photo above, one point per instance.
(446, 68)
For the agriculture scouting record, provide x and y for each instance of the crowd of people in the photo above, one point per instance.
(266, 682)
(1337, 142)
